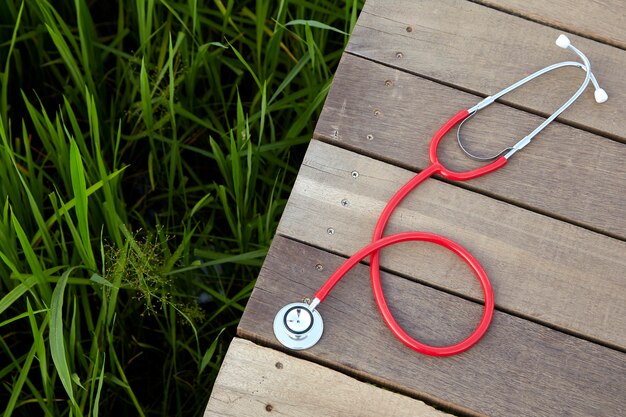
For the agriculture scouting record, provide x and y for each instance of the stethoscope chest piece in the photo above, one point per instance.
(298, 327)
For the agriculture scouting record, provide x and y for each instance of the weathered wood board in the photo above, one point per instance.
(256, 381)
(541, 268)
(519, 368)
(602, 21)
(565, 172)
(482, 50)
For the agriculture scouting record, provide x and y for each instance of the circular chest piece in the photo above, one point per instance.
(298, 320)
(297, 327)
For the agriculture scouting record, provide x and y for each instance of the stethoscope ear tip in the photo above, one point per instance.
(600, 95)
(563, 41)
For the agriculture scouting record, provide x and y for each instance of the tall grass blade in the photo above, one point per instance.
(17, 292)
(32, 260)
(79, 187)
(57, 337)
(16, 388)
(96, 402)
(4, 80)
(208, 355)
(314, 24)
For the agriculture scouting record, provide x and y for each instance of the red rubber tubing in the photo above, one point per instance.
(378, 242)
(454, 175)
(374, 248)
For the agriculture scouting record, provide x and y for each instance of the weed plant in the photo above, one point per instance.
(147, 151)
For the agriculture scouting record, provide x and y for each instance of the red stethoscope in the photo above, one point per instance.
(300, 326)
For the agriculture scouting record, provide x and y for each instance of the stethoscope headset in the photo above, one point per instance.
(299, 325)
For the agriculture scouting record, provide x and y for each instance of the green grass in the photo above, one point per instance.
(147, 151)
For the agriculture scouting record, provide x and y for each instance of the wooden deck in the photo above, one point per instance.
(549, 228)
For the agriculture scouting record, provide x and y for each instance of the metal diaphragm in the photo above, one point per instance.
(297, 327)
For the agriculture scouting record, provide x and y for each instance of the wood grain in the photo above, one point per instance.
(542, 268)
(603, 21)
(483, 50)
(565, 172)
(257, 381)
(518, 369)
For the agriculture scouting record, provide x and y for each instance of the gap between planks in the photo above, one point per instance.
(605, 24)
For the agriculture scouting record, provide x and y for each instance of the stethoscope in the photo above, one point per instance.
(299, 325)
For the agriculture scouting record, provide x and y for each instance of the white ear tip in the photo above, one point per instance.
(600, 95)
(563, 41)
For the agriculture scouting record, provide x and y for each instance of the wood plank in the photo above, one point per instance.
(257, 381)
(541, 268)
(519, 368)
(566, 172)
(603, 21)
(463, 44)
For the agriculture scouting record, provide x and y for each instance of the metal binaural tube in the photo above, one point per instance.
(600, 96)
